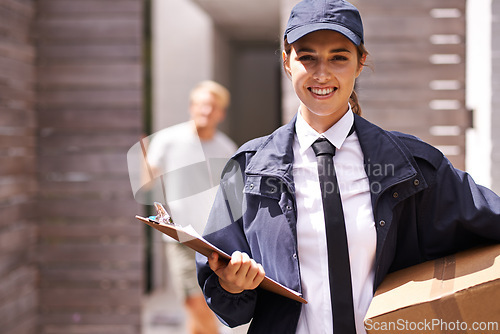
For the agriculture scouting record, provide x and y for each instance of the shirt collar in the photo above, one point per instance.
(336, 134)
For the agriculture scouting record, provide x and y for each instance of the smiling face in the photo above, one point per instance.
(323, 66)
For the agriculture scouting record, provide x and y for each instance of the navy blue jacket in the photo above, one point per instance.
(423, 209)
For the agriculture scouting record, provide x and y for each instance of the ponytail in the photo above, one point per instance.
(355, 106)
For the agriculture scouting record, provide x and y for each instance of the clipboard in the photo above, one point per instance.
(163, 223)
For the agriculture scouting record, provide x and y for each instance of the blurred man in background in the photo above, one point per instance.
(189, 158)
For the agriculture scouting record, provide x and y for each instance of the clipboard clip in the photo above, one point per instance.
(162, 216)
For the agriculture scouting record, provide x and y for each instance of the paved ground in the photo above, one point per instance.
(163, 314)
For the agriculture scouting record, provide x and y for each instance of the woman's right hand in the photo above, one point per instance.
(239, 274)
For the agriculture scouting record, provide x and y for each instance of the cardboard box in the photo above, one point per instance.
(455, 294)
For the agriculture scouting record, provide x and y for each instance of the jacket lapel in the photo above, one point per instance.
(386, 164)
(274, 157)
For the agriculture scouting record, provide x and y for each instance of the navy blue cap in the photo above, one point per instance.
(312, 15)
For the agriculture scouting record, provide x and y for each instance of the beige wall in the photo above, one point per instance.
(495, 106)
(183, 38)
(479, 90)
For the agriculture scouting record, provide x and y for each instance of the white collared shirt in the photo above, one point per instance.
(316, 316)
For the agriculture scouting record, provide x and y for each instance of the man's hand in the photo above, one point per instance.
(241, 273)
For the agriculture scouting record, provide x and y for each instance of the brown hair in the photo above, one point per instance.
(356, 107)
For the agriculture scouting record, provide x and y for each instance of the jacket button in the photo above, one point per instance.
(288, 207)
(382, 223)
(294, 256)
(416, 182)
(251, 186)
(395, 195)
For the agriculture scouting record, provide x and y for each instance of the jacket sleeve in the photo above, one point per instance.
(457, 213)
(224, 230)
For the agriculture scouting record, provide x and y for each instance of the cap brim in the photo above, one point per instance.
(297, 33)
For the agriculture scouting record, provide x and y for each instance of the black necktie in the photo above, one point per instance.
(338, 256)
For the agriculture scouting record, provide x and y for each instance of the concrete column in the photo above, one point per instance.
(183, 39)
(483, 81)
(495, 106)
